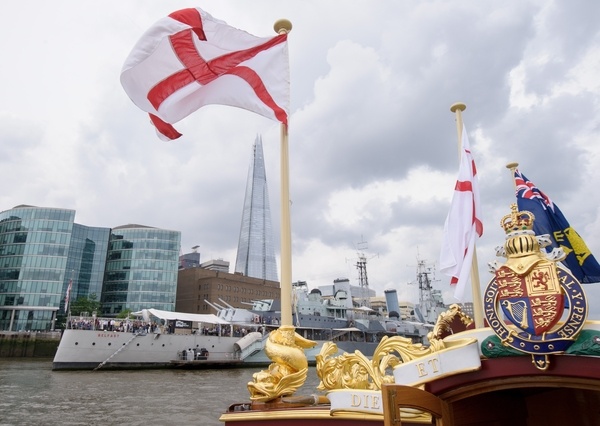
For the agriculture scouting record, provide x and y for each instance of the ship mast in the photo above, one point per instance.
(430, 303)
(363, 280)
(425, 296)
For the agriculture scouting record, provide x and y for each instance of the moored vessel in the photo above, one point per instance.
(234, 337)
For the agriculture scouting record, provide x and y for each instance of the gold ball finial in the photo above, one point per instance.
(282, 26)
(511, 166)
(458, 106)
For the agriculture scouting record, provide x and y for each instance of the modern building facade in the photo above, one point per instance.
(189, 260)
(256, 254)
(141, 269)
(216, 265)
(87, 260)
(41, 251)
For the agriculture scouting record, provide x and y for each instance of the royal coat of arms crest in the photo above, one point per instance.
(533, 304)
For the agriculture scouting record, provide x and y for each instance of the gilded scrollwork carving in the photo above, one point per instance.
(356, 371)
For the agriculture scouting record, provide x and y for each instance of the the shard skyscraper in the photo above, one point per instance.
(256, 255)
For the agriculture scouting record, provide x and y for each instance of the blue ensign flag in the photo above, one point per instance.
(550, 220)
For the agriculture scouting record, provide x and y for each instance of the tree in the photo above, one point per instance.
(124, 314)
(85, 304)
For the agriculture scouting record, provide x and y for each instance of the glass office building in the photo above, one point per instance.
(141, 269)
(256, 255)
(41, 250)
(86, 260)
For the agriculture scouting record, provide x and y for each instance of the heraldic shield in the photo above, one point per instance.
(532, 290)
(533, 301)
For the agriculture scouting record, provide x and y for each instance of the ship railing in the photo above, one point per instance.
(84, 322)
(195, 354)
(348, 334)
(210, 356)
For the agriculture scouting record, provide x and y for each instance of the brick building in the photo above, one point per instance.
(195, 285)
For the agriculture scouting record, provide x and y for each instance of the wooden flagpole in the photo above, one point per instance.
(512, 167)
(458, 108)
(284, 26)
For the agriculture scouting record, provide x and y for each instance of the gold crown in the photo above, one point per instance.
(517, 221)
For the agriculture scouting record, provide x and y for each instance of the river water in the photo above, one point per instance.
(32, 394)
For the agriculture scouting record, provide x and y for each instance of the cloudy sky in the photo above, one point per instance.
(373, 144)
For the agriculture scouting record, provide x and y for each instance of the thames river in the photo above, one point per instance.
(32, 394)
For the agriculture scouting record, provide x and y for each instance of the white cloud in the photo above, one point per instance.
(372, 140)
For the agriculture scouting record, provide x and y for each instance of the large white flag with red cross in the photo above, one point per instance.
(189, 59)
(463, 224)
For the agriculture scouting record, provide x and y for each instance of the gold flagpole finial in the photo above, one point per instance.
(458, 106)
(282, 26)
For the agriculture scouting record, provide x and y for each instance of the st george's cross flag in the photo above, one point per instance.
(551, 221)
(189, 59)
(463, 224)
(68, 295)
